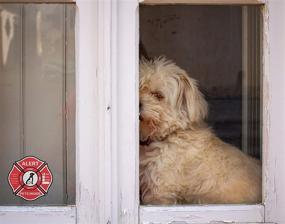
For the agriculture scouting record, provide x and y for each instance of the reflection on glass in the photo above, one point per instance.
(37, 92)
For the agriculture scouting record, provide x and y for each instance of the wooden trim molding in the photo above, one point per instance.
(274, 109)
(203, 2)
(107, 110)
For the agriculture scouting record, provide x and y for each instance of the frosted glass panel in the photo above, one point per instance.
(37, 95)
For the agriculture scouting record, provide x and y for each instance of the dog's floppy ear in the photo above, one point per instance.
(190, 100)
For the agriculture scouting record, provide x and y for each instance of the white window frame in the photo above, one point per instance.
(107, 157)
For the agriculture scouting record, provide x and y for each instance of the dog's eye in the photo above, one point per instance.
(158, 95)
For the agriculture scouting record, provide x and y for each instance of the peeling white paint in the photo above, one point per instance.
(202, 214)
(89, 206)
(274, 62)
(43, 215)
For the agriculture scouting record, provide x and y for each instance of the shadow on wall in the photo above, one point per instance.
(206, 42)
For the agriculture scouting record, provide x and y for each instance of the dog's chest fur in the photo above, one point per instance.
(167, 167)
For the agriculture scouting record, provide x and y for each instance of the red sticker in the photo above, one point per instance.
(30, 178)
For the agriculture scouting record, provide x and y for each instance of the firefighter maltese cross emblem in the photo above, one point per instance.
(30, 178)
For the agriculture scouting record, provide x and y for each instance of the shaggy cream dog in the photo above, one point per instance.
(181, 159)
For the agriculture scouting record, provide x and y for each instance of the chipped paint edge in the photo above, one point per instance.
(201, 214)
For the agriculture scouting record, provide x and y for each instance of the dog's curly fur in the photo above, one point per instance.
(181, 159)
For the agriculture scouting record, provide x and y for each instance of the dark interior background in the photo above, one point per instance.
(207, 43)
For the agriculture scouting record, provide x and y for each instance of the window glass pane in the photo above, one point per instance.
(220, 47)
(37, 96)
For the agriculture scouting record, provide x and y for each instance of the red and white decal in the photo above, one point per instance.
(30, 178)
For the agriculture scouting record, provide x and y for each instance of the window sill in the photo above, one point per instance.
(36, 214)
(202, 214)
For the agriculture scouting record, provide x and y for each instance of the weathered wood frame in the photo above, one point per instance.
(107, 126)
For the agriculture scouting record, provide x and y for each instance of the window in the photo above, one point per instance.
(250, 45)
(38, 96)
(213, 51)
(220, 47)
(107, 106)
